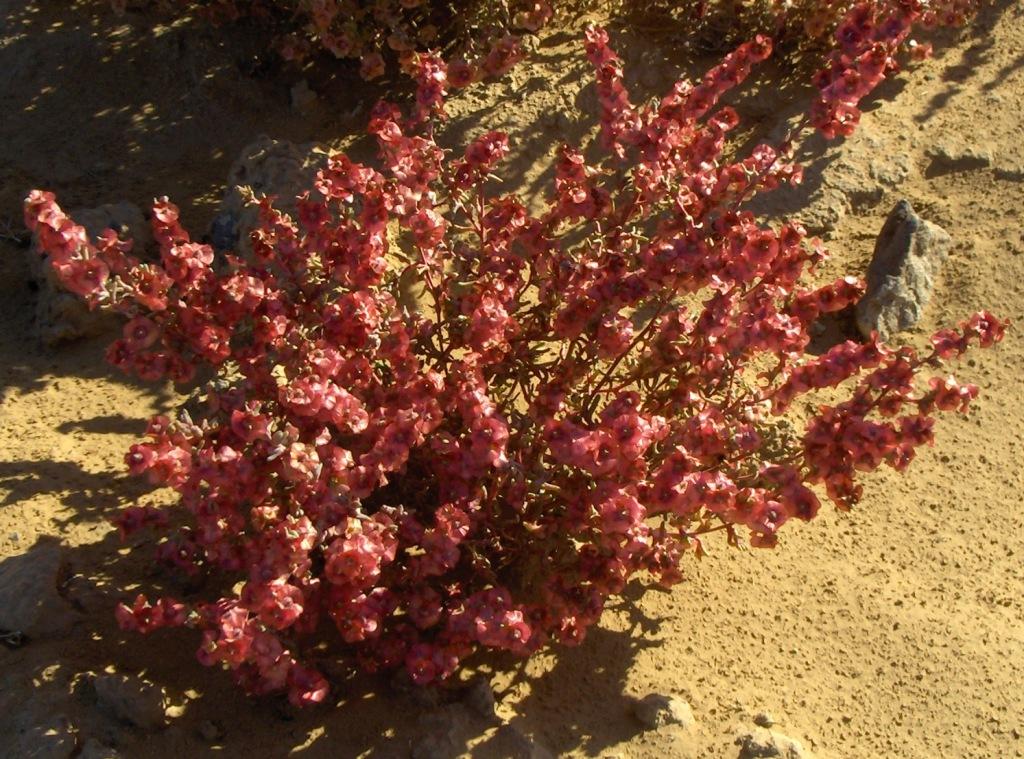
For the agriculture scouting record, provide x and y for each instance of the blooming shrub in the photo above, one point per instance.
(856, 42)
(562, 402)
(483, 39)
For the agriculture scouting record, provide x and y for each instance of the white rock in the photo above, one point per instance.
(759, 743)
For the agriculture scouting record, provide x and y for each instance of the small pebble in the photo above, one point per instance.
(210, 731)
(764, 719)
(656, 710)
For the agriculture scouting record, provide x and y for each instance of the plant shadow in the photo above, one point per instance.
(367, 715)
(973, 57)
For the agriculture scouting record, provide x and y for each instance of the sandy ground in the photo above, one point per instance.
(895, 630)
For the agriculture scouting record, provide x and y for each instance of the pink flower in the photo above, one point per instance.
(250, 427)
(85, 277)
(371, 66)
(534, 16)
(484, 152)
(136, 518)
(504, 55)
(140, 333)
(300, 463)
(461, 73)
(144, 617)
(306, 686)
(950, 395)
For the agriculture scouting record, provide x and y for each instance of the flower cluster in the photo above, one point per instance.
(483, 38)
(560, 402)
(867, 41)
(858, 42)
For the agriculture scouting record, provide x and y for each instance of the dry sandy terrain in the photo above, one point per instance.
(894, 630)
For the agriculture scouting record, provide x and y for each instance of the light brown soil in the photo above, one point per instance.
(894, 630)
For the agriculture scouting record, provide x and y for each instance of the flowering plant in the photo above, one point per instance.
(857, 42)
(444, 423)
(482, 38)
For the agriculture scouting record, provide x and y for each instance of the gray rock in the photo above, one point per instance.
(30, 599)
(433, 746)
(759, 743)
(449, 732)
(62, 317)
(32, 720)
(656, 710)
(825, 209)
(427, 696)
(948, 159)
(845, 179)
(908, 256)
(131, 699)
(125, 218)
(860, 192)
(862, 169)
(276, 168)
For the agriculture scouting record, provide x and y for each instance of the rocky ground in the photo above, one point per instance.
(895, 630)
